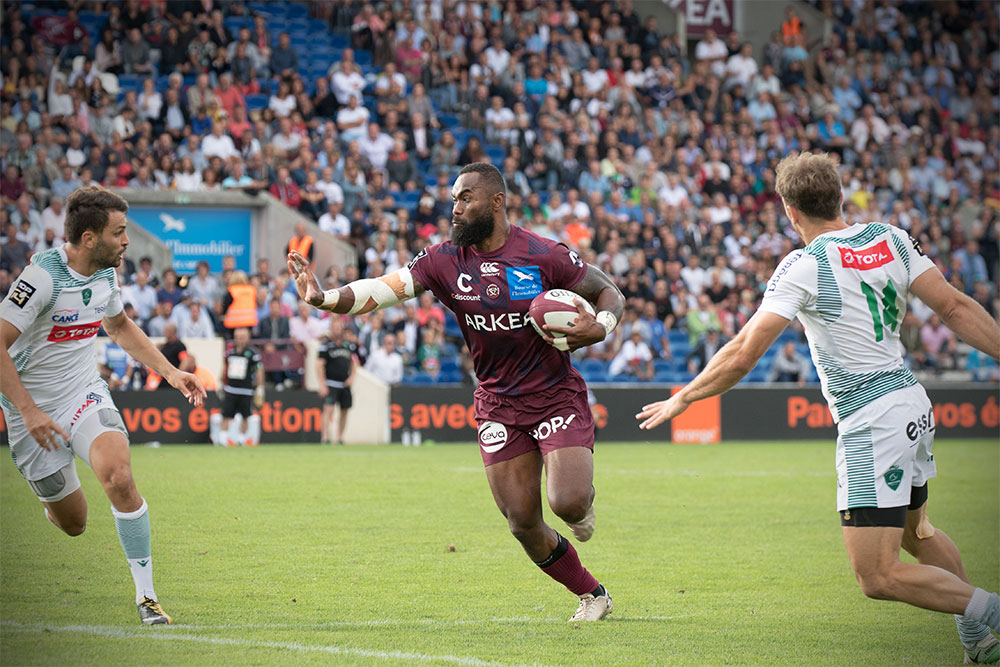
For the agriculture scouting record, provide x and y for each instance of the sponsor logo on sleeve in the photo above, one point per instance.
(419, 255)
(22, 291)
(60, 334)
(772, 284)
(492, 437)
(917, 247)
(866, 258)
(524, 282)
(575, 258)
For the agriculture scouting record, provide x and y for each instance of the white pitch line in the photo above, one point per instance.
(397, 622)
(697, 473)
(118, 633)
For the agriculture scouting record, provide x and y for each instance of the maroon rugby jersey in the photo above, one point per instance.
(490, 294)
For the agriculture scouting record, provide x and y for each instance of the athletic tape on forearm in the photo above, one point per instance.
(375, 293)
(607, 320)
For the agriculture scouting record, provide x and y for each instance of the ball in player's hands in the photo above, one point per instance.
(556, 308)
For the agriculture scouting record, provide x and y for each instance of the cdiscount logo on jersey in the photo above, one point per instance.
(868, 258)
(74, 332)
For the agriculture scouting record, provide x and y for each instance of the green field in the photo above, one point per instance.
(281, 555)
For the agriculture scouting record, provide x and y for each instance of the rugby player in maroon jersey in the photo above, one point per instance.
(531, 404)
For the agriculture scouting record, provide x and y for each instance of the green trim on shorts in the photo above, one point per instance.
(859, 452)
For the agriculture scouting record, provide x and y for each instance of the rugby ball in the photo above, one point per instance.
(556, 308)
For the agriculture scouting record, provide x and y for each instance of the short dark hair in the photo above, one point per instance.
(489, 176)
(89, 209)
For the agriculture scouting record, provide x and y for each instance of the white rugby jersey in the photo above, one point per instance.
(58, 312)
(849, 290)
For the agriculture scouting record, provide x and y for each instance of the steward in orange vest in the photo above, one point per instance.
(240, 303)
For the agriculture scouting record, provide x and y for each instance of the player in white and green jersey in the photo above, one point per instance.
(53, 399)
(849, 287)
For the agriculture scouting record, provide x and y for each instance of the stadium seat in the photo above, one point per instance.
(599, 375)
(256, 102)
(676, 336)
(340, 41)
(495, 153)
(296, 11)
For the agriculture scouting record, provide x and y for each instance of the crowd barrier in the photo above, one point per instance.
(445, 414)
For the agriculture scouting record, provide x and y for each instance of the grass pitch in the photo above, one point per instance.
(725, 554)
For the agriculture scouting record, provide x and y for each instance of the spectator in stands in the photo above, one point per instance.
(169, 290)
(634, 359)
(135, 54)
(939, 344)
(708, 344)
(284, 61)
(238, 304)
(305, 326)
(302, 242)
(789, 366)
(196, 323)
(385, 362)
(285, 190)
(142, 296)
(156, 326)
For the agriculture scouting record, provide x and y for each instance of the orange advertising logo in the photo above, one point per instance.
(701, 423)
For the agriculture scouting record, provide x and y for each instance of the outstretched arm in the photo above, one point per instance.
(725, 369)
(959, 312)
(597, 288)
(361, 296)
(131, 338)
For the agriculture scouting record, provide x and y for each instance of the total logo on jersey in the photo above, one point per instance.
(868, 258)
(65, 316)
(74, 332)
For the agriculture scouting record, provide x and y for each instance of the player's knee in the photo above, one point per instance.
(570, 507)
(74, 528)
(875, 585)
(119, 480)
(524, 529)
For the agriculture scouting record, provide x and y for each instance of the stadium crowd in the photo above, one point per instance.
(655, 161)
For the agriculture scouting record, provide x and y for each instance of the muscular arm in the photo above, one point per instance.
(131, 338)
(725, 369)
(597, 288)
(959, 312)
(360, 296)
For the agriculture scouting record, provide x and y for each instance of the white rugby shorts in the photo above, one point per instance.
(884, 449)
(84, 417)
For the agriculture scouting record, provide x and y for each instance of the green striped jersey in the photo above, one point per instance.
(849, 289)
(58, 312)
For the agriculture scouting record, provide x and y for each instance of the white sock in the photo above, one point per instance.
(985, 607)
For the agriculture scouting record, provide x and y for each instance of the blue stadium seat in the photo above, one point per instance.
(495, 153)
(340, 41)
(363, 58)
(453, 375)
(421, 377)
(256, 102)
(599, 375)
(296, 11)
(449, 121)
(451, 328)
(318, 25)
(130, 81)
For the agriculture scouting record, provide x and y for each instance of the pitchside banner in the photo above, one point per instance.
(195, 234)
(445, 414)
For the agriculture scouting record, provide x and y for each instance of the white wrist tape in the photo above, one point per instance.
(330, 298)
(375, 293)
(607, 320)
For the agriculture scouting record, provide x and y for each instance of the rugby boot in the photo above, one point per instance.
(152, 613)
(592, 608)
(985, 652)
